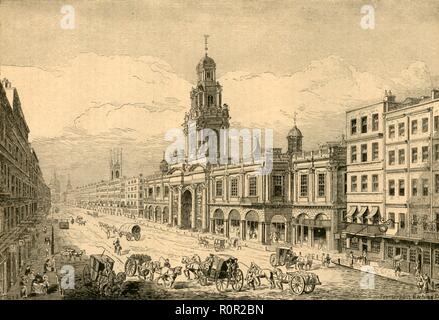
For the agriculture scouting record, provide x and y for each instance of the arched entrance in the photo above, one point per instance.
(158, 214)
(234, 224)
(218, 222)
(150, 213)
(320, 232)
(165, 215)
(302, 228)
(186, 208)
(252, 226)
(277, 229)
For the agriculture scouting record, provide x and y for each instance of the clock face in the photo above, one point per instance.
(383, 228)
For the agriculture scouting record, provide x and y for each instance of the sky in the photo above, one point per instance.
(122, 75)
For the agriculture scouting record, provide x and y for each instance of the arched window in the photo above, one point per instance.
(207, 75)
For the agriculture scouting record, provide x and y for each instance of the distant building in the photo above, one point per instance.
(55, 188)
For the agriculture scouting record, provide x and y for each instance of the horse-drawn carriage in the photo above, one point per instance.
(219, 244)
(130, 231)
(99, 274)
(133, 263)
(298, 281)
(223, 270)
(283, 256)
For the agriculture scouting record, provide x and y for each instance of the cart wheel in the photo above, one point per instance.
(86, 275)
(297, 284)
(137, 236)
(309, 288)
(238, 281)
(221, 284)
(273, 260)
(130, 267)
(121, 277)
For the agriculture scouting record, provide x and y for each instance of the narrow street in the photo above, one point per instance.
(337, 282)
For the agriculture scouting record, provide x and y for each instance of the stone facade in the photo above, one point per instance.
(23, 193)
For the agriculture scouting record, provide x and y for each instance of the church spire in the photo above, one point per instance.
(205, 43)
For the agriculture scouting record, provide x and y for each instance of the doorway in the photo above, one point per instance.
(186, 208)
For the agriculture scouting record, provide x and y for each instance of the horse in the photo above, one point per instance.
(255, 273)
(192, 265)
(281, 278)
(149, 268)
(168, 275)
(203, 242)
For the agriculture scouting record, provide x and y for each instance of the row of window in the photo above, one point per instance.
(364, 153)
(252, 186)
(414, 127)
(321, 187)
(420, 187)
(425, 153)
(363, 124)
(363, 180)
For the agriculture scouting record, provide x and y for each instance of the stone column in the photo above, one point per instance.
(310, 236)
(179, 207)
(302, 234)
(289, 186)
(204, 209)
(194, 208)
(293, 234)
(227, 228)
(171, 207)
(243, 229)
(261, 232)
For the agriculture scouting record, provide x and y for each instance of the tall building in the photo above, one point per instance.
(215, 190)
(24, 196)
(55, 188)
(393, 174)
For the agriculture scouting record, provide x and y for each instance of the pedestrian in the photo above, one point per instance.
(327, 260)
(351, 259)
(23, 287)
(364, 257)
(27, 271)
(397, 269)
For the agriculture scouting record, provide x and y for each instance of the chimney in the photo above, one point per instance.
(434, 94)
(388, 96)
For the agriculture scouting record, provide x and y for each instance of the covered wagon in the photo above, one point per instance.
(130, 231)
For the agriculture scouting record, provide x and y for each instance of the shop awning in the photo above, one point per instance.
(363, 210)
(351, 212)
(373, 212)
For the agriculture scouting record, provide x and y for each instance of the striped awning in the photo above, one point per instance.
(373, 212)
(363, 210)
(351, 211)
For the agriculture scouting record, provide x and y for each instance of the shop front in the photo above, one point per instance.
(278, 229)
(217, 222)
(234, 224)
(252, 226)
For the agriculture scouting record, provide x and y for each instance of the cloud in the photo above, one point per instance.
(78, 111)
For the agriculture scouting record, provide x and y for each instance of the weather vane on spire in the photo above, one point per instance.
(295, 117)
(205, 42)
